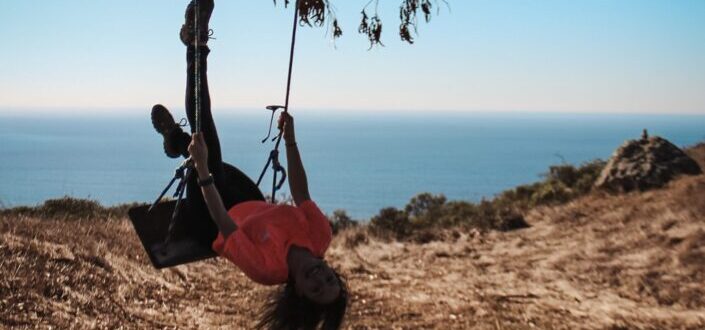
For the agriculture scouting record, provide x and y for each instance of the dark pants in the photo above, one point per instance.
(234, 186)
(208, 130)
(195, 211)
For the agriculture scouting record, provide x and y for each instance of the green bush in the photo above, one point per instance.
(587, 175)
(551, 192)
(458, 213)
(80, 208)
(562, 184)
(340, 220)
(427, 212)
(577, 179)
(393, 221)
(71, 208)
(566, 174)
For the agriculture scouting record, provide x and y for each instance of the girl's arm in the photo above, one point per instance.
(298, 184)
(199, 154)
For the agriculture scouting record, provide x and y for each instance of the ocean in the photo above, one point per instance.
(356, 162)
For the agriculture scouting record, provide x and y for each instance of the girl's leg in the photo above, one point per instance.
(197, 214)
(208, 130)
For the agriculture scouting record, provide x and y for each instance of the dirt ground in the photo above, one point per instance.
(602, 262)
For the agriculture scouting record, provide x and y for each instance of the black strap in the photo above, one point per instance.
(182, 173)
(207, 181)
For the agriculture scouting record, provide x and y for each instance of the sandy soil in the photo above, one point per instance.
(602, 262)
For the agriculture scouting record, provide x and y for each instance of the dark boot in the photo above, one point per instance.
(188, 30)
(176, 141)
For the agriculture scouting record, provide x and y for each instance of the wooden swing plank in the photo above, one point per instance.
(152, 230)
(194, 235)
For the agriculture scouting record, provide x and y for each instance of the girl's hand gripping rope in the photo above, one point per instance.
(199, 152)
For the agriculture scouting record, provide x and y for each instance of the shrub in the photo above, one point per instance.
(71, 208)
(566, 174)
(355, 238)
(425, 210)
(487, 216)
(455, 213)
(551, 192)
(390, 220)
(520, 197)
(340, 220)
(578, 179)
(508, 220)
(66, 206)
(588, 174)
(562, 184)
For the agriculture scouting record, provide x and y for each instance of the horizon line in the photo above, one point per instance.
(240, 110)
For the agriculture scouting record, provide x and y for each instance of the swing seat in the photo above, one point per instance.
(193, 234)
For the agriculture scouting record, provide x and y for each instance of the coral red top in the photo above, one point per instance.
(265, 232)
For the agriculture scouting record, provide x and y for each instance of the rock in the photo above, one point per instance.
(649, 162)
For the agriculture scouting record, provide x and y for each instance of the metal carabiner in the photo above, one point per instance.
(278, 168)
(274, 109)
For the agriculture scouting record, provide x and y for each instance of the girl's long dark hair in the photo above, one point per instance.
(286, 310)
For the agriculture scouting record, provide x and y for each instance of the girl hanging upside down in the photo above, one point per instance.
(272, 244)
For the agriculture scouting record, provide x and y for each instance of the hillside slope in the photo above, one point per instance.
(601, 262)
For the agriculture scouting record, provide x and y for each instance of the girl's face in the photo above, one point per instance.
(317, 282)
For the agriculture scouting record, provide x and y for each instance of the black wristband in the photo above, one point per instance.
(207, 181)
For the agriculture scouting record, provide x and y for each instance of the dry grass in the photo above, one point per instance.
(622, 262)
(635, 261)
(697, 152)
(68, 208)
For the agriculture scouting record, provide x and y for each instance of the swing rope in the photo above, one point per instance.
(291, 59)
(197, 67)
(274, 154)
(185, 171)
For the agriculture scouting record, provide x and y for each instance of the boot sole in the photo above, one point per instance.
(161, 111)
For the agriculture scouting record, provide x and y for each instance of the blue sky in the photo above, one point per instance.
(100, 56)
